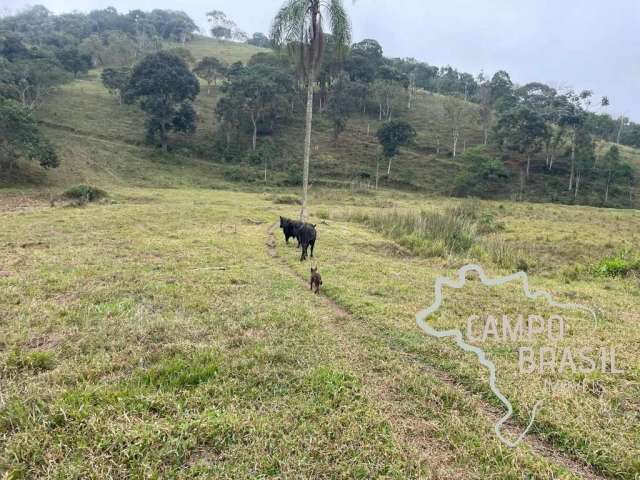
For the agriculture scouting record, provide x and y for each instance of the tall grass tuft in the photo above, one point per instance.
(428, 233)
(463, 229)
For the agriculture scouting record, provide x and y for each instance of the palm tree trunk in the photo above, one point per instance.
(307, 148)
(455, 142)
(521, 196)
(254, 138)
(573, 158)
(163, 137)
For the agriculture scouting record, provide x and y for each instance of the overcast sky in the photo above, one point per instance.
(582, 44)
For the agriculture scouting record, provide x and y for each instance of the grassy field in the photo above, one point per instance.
(163, 334)
(169, 332)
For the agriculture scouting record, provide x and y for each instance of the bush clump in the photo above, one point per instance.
(618, 266)
(84, 193)
(286, 200)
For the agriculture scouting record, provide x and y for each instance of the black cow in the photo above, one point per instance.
(306, 235)
(290, 228)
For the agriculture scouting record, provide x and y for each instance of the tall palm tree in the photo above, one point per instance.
(299, 26)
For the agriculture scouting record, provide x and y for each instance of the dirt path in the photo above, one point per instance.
(414, 431)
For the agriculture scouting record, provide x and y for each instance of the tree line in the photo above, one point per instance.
(40, 51)
(529, 126)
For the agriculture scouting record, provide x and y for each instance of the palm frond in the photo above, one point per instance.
(289, 23)
(340, 25)
(299, 26)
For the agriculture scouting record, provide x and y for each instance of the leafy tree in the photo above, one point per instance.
(452, 82)
(572, 119)
(30, 81)
(74, 61)
(165, 87)
(220, 32)
(209, 69)
(341, 103)
(109, 19)
(273, 59)
(75, 25)
(425, 75)
(584, 158)
(224, 27)
(116, 80)
(183, 53)
(392, 135)
(386, 93)
(31, 23)
(454, 112)
(611, 164)
(21, 138)
(481, 173)
(484, 110)
(300, 24)
(501, 86)
(260, 40)
(171, 25)
(521, 129)
(13, 48)
(364, 60)
(258, 91)
(629, 133)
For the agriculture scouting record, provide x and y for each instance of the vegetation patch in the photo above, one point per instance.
(430, 233)
(286, 200)
(618, 266)
(84, 193)
(34, 361)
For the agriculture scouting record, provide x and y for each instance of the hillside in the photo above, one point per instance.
(96, 120)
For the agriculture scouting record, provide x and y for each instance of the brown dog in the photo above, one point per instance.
(316, 280)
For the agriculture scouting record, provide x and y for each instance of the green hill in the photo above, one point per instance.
(101, 141)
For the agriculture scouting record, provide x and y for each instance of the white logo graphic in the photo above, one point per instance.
(422, 316)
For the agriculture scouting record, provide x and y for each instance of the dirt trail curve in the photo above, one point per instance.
(411, 430)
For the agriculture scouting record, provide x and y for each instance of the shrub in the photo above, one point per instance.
(294, 176)
(480, 174)
(264, 155)
(84, 193)
(286, 200)
(238, 173)
(617, 267)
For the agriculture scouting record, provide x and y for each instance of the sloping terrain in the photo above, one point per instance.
(86, 109)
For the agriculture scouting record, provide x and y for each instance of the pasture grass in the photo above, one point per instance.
(154, 336)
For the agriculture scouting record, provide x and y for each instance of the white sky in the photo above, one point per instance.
(592, 44)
